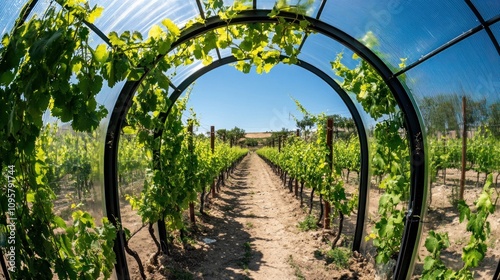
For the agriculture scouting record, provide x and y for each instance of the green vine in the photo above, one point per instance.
(48, 64)
(390, 152)
(474, 252)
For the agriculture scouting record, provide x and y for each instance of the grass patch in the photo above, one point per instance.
(249, 225)
(296, 268)
(247, 256)
(187, 239)
(338, 256)
(181, 274)
(309, 223)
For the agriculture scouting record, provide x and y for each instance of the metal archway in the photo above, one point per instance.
(418, 186)
(363, 138)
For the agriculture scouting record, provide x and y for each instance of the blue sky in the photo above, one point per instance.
(227, 98)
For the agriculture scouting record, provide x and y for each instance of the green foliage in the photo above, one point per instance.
(133, 160)
(234, 135)
(475, 250)
(481, 150)
(247, 255)
(391, 159)
(164, 193)
(47, 63)
(338, 256)
(251, 142)
(81, 250)
(390, 152)
(309, 163)
(347, 153)
(371, 91)
(309, 223)
(305, 125)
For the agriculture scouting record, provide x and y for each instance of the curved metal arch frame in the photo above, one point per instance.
(418, 184)
(363, 137)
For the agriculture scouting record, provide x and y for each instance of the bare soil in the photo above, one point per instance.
(443, 216)
(253, 226)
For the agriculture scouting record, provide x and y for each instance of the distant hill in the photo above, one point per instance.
(257, 135)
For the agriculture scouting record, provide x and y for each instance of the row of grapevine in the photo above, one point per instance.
(482, 149)
(72, 159)
(474, 251)
(182, 167)
(446, 153)
(55, 66)
(60, 205)
(310, 164)
(347, 153)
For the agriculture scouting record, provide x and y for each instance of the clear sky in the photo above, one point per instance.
(227, 98)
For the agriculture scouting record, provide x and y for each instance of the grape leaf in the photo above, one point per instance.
(101, 53)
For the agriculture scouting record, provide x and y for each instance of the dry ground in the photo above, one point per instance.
(253, 223)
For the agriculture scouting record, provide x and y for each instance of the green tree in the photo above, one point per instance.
(251, 142)
(342, 126)
(441, 113)
(493, 121)
(476, 112)
(305, 125)
(234, 135)
(283, 133)
(222, 134)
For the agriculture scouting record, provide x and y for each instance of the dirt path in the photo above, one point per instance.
(251, 243)
(254, 224)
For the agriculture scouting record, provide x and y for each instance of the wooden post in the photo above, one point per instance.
(212, 146)
(329, 143)
(279, 144)
(464, 149)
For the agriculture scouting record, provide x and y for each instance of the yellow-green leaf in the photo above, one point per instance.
(59, 222)
(30, 197)
(101, 53)
(5, 40)
(364, 92)
(77, 67)
(95, 14)
(207, 60)
(170, 25)
(155, 32)
(268, 67)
